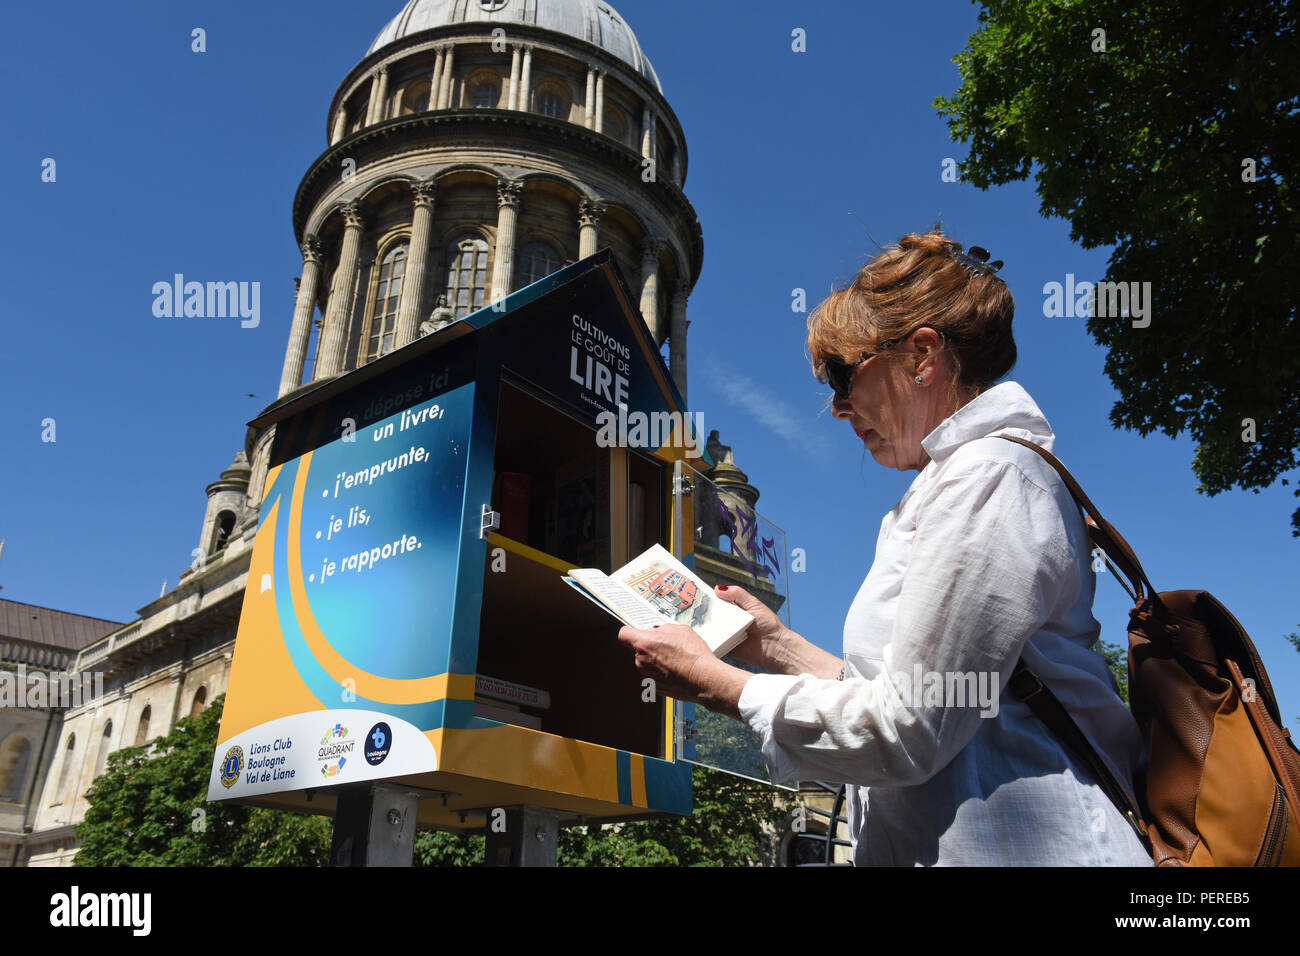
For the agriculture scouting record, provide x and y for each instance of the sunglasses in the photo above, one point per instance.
(839, 374)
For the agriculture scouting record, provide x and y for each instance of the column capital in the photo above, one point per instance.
(352, 215)
(509, 192)
(651, 246)
(680, 295)
(381, 70)
(312, 247)
(590, 211)
(426, 191)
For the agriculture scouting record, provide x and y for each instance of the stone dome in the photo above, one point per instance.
(594, 21)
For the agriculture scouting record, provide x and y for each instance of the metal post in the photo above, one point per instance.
(374, 825)
(527, 836)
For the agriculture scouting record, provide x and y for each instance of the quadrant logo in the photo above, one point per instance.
(334, 745)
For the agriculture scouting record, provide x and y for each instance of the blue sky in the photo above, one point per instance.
(170, 161)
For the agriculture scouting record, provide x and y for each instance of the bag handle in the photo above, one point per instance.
(1102, 532)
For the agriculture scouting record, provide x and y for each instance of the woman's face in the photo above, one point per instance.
(888, 410)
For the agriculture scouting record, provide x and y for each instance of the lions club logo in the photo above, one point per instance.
(232, 764)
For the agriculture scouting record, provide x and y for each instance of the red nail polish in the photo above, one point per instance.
(656, 625)
(722, 587)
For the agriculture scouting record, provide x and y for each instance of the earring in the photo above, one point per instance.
(920, 380)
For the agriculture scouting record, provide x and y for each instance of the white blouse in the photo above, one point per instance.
(985, 557)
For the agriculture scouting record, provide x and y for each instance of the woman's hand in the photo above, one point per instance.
(773, 646)
(682, 666)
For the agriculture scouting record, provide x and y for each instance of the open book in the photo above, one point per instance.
(655, 588)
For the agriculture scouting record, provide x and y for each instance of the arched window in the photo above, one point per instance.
(104, 743)
(14, 757)
(536, 260)
(142, 731)
(415, 98)
(613, 125)
(383, 315)
(200, 699)
(487, 94)
(221, 533)
(550, 103)
(466, 284)
(64, 771)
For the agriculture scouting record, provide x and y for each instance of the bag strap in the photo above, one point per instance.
(1029, 687)
(1103, 533)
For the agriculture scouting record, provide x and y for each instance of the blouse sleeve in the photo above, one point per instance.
(991, 558)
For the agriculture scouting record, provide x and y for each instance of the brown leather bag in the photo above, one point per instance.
(1222, 785)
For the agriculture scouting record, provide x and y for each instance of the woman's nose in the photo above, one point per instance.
(840, 407)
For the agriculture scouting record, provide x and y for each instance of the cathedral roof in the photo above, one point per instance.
(591, 20)
(44, 637)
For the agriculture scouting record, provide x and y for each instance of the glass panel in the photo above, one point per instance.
(733, 544)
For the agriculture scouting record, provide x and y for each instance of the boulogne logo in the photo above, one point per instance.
(378, 742)
(232, 764)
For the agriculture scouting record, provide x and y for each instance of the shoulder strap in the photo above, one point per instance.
(1027, 686)
(1103, 533)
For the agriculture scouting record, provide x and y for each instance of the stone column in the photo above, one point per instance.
(308, 287)
(677, 167)
(381, 99)
(645, 132)
(372, 104)
(332, 344)
(677, 342)
(590, 121)
(408, 310)
(512, 102)
(508, 193)
(589, 213)
(340, 125)
(525, 80)
(650, 249)
(436, 79)
(444, 82)
(600, 102)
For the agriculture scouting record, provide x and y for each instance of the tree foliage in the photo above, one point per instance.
(1172, 136)
(149, 808)
(1117, 660)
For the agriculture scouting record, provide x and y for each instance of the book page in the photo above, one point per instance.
(625, 604)
(663, 582)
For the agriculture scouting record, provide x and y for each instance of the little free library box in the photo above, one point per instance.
(405, 618)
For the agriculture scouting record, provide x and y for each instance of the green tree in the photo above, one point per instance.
(1117, 660)
(1169, 131)
(149, 808)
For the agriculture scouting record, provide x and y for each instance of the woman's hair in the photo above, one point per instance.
(919, 283)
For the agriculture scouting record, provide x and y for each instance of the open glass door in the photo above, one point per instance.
(729, 543)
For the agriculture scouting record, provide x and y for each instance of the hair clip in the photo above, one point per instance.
(976, 261)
